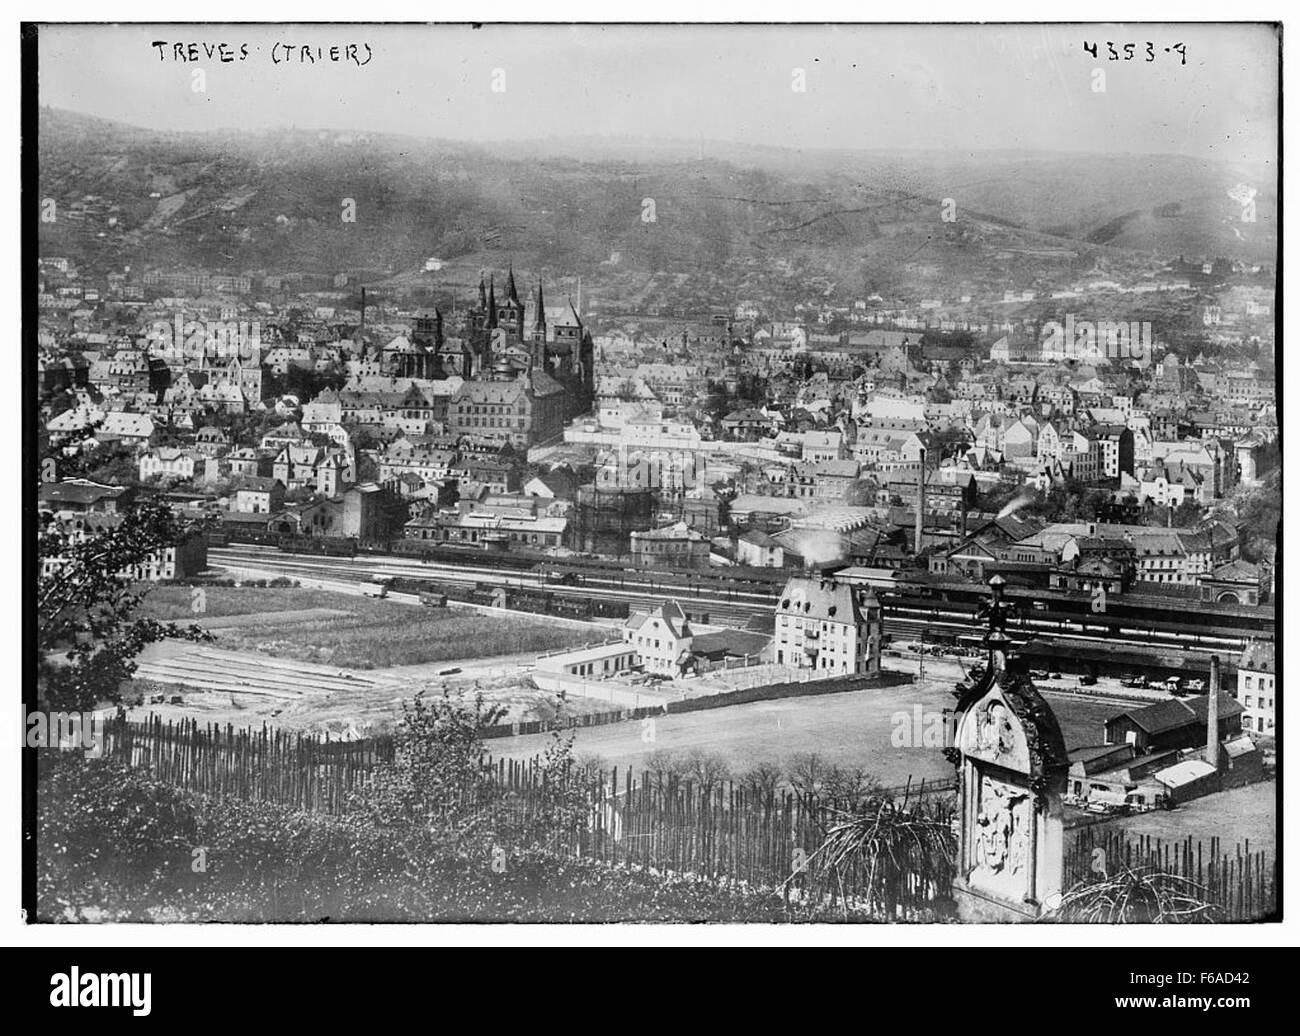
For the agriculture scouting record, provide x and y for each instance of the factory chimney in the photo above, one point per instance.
(1212, 720)
(920, 505)
(363, 306)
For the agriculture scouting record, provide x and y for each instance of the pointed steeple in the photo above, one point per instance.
(511, 293)
(539, 321)
(482, 292)
(492, 303)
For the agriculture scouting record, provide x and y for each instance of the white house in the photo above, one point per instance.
(1257, 689)
(662, 638)
(828, 626)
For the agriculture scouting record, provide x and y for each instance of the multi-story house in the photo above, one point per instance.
(178, 463)
(827, 626)
(257, 495)
(1020, 440)
(662, 638)
(821, 446)
(247, 461)
(295, 466)
(1257, 689)
(428, 463)
(1114, 445)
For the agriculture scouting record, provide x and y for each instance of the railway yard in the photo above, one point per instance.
(328, 655)
(1169, 635)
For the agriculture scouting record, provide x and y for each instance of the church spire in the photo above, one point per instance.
(539, 321)
(492, 303)
(482, 292)
(511, 293)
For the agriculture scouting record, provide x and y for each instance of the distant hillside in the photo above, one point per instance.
(861, 221)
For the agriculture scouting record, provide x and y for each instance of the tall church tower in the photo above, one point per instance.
(539, 331)
(510, 314)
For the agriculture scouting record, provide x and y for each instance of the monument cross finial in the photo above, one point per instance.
(997, 611)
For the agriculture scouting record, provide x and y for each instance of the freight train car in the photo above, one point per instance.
(319, 546)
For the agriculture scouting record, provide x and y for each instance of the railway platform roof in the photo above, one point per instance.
(1111, 654)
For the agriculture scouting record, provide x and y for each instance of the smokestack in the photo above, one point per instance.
(1212, 721)
(363, 306)
(920, 505)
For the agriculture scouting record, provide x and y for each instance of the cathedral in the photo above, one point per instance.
(497, 343)
(505, 345)
(522, 383)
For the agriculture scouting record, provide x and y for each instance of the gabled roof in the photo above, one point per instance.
(1238, 571)
(1178, 712)
(670, 613)
(259, 484)
(1159, 716)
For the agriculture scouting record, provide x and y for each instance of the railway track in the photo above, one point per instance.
(703, 609)
(903, 618)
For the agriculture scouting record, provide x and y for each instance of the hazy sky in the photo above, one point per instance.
(867, 87)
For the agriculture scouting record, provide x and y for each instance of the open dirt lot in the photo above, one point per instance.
(322, 661)
(1234, 817)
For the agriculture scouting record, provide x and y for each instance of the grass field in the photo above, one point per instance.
(175, 603)
(356, 632)
(854, 729)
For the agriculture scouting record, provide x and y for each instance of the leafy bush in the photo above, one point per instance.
(115, 845)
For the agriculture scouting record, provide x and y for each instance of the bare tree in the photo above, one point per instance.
(762, 779)
(849, 785)
(665, 767)
(707, 769)
(806, 773)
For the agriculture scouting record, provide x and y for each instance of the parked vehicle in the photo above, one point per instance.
(1139, 680)
(1196, 686)
(1087, 680)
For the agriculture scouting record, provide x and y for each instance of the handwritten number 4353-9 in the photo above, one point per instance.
(1130, 51)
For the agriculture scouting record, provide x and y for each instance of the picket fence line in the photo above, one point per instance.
(664, 821)
(1240, 882)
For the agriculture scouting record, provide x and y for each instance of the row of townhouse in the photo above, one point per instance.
(828, 480)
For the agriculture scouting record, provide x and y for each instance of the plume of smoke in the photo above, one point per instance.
(1016, 503)
(818, 546)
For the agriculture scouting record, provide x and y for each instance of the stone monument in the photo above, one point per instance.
(1011, 768)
